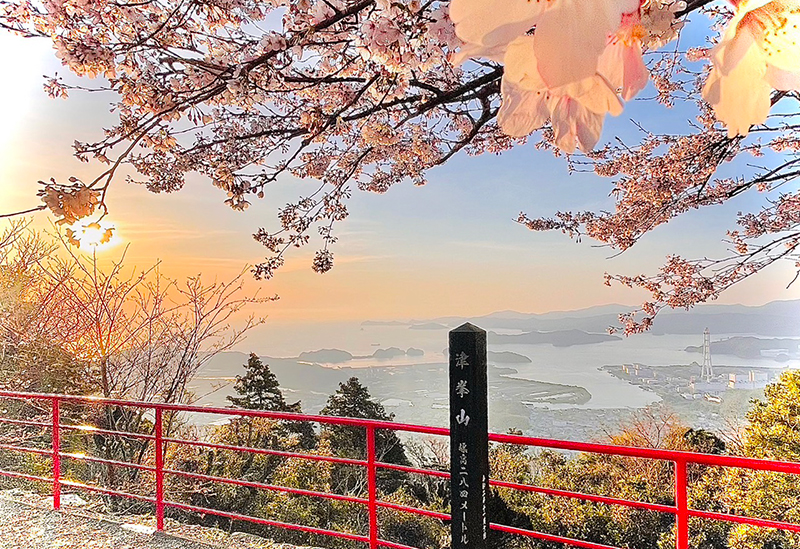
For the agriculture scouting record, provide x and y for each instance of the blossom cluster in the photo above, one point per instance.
(69, 202)
(568, 61)
(367, 94)
(573, 62)
(759, 52)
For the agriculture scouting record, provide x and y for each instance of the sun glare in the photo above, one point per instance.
(93, 236)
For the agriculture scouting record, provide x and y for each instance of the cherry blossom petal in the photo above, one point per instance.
(732, 49)
(521, 66)
(570, 38)
(783, 80)
(600, 98)
(563, 123)
(636, 74)
(588, 127)
(623, 66)
(572, 122)
(495, 53)
(491, 23)
(749, 5)
(740, 98)
(522, 111)
(771, 25)
(775, 26)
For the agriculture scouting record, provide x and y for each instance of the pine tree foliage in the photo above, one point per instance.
(353, 399)
(258, 389)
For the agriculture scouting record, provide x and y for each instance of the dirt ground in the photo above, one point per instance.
(27, 521)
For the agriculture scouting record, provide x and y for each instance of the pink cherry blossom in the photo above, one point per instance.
(523, 111)
(571, 36)
(759, 52)
(365, 94)
(576, 110)
(651, 26)
(565, 51)
(621, 62)
(489, 23)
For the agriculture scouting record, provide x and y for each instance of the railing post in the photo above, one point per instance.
(56, 453)
(159, 469)
(682, 505)
(372, 488)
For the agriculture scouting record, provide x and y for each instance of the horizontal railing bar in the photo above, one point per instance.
(14, 474)
(550, 537)
(766, 523)
(286, 416)
(413, 510)
(587, 497)
(679, 457)
(266, 522)
(26, 449)
(95, 459)
(89, 430)
(262, 486)
(629, 451)
(414, 470)
(25, 422)
(651, 453)
(104, 491)
(267, 451)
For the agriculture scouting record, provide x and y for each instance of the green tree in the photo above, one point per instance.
(352, 399)
(615, 476)
(258, 389)
(773, 432)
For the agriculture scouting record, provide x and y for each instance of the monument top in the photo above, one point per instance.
(467, 327)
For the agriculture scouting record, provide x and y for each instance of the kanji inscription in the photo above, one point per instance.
(469, 439)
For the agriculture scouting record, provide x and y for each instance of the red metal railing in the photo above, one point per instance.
(680, 509)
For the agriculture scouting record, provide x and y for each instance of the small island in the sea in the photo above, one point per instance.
(428, 326)
(331, 356)
(338, 356)
(781, 349)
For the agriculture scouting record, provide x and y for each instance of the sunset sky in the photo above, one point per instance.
(450, 248)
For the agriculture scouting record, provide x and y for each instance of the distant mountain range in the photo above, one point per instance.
(558, 338)
(778, 318)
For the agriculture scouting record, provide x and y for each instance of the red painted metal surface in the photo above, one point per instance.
(414, 470)
(372, 488)
(26, 423)
(262, 486)
(682, 504)
(26, 449)
(56, 438)
(585, 497)
(90, 430)
(159, 442)
(680, 509)
(651, 453)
